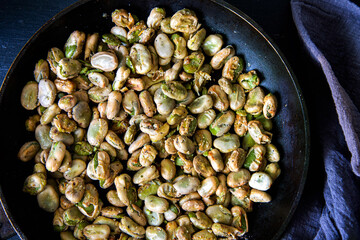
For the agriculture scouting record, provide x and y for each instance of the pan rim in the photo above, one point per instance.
(253, 25)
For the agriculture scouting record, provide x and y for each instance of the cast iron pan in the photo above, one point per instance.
(291, 129)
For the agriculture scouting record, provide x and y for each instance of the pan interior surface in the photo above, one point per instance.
(267, 221)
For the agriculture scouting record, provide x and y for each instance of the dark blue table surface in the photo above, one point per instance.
(20, 19)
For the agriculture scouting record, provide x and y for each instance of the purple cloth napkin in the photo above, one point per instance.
(330, 31)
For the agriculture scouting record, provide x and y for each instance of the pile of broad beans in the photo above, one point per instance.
(138, 113)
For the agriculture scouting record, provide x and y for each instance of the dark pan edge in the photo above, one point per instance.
(256, 27)
(295, 82)
(3, 85)
(9, 216)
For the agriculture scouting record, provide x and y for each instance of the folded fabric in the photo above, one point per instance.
(330, 30)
